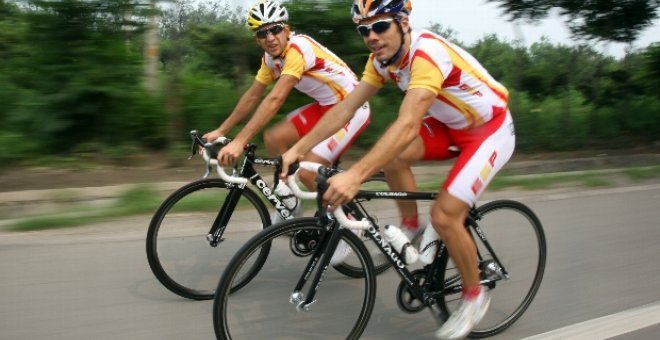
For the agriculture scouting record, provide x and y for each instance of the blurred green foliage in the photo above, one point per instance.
(608, 20)
(72, 81)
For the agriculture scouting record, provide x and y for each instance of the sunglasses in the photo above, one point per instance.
(275, 30)
(378, 27)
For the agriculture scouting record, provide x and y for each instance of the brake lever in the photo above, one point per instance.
(193, 147)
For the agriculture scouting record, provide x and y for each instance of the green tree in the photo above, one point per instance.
(82, 73)
(204, 52)
(608, 20)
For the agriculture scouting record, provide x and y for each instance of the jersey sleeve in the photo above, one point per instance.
(425, 73)
(265, 74)
(295, 62)
(371, 75)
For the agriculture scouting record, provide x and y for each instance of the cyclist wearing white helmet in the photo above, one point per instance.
(291, 61)
(452, 108)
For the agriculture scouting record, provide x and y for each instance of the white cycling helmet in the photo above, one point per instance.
(266, 12)
(364, 9)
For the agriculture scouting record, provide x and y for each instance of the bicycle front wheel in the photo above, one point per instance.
(263, 308)
(179, 254)
(512, 267)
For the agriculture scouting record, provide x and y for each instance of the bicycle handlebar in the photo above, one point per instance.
(293, 184)
(208, 153)
(221, 171)
(337, 213)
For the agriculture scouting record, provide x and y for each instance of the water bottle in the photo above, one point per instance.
(400, 243)
(286, 195)
(429, 245)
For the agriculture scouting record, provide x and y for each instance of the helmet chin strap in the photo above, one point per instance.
(398, 53)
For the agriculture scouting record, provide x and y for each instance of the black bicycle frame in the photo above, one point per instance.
(426, 294)
(393, 256)
(246, 170)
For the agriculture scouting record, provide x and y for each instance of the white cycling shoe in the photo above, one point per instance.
(342, 251)
(468, 315)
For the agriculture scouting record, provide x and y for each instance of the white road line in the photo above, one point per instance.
(607, 326)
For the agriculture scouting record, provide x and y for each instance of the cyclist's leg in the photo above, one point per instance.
(399, 177)
(280, 137)
(483, 152)
(432, 144)
(334, 146)
(299, 122)
(447, 216)
(330, 150)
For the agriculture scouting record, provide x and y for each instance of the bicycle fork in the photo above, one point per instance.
(320, 259)
(224, 214)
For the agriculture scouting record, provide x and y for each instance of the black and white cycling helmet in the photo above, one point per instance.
(266, 12)
(364, 9)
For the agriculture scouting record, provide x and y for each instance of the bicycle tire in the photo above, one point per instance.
(509, 298)
(261, 310)
(384, 212)
(178, 252)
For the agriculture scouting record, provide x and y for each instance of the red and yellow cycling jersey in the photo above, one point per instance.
(466, 95)
(322, 75)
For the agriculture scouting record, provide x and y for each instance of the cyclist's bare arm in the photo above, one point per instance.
(267, 108)
(329, 124)
(343, 187)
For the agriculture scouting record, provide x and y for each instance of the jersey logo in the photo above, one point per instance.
(484, 175)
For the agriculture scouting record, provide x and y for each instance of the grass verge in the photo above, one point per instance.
(145, 199)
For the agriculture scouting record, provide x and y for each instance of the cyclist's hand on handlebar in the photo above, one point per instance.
(212, 136)
(230, 153)
(341, 189)
(288, 158)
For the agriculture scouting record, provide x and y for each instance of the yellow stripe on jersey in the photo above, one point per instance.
(371, 76)
(265, 75)
(471, 115)
(465, 66)
(295, 62)
(424, 73)
(340, 92)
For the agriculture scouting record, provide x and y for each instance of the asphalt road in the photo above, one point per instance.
(94, 282)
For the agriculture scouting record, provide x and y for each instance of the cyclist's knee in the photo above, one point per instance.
(448, 213)
(272, 139)
(395, 165)
(441, 221)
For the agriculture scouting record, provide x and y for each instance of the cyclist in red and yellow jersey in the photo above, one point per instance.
(452, 108)
(291, 61)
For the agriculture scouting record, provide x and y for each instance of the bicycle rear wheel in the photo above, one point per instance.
(180, 255)
(262, 309)
(517, 240)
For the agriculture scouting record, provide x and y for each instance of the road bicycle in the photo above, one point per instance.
(297, 298)
(196, 230)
